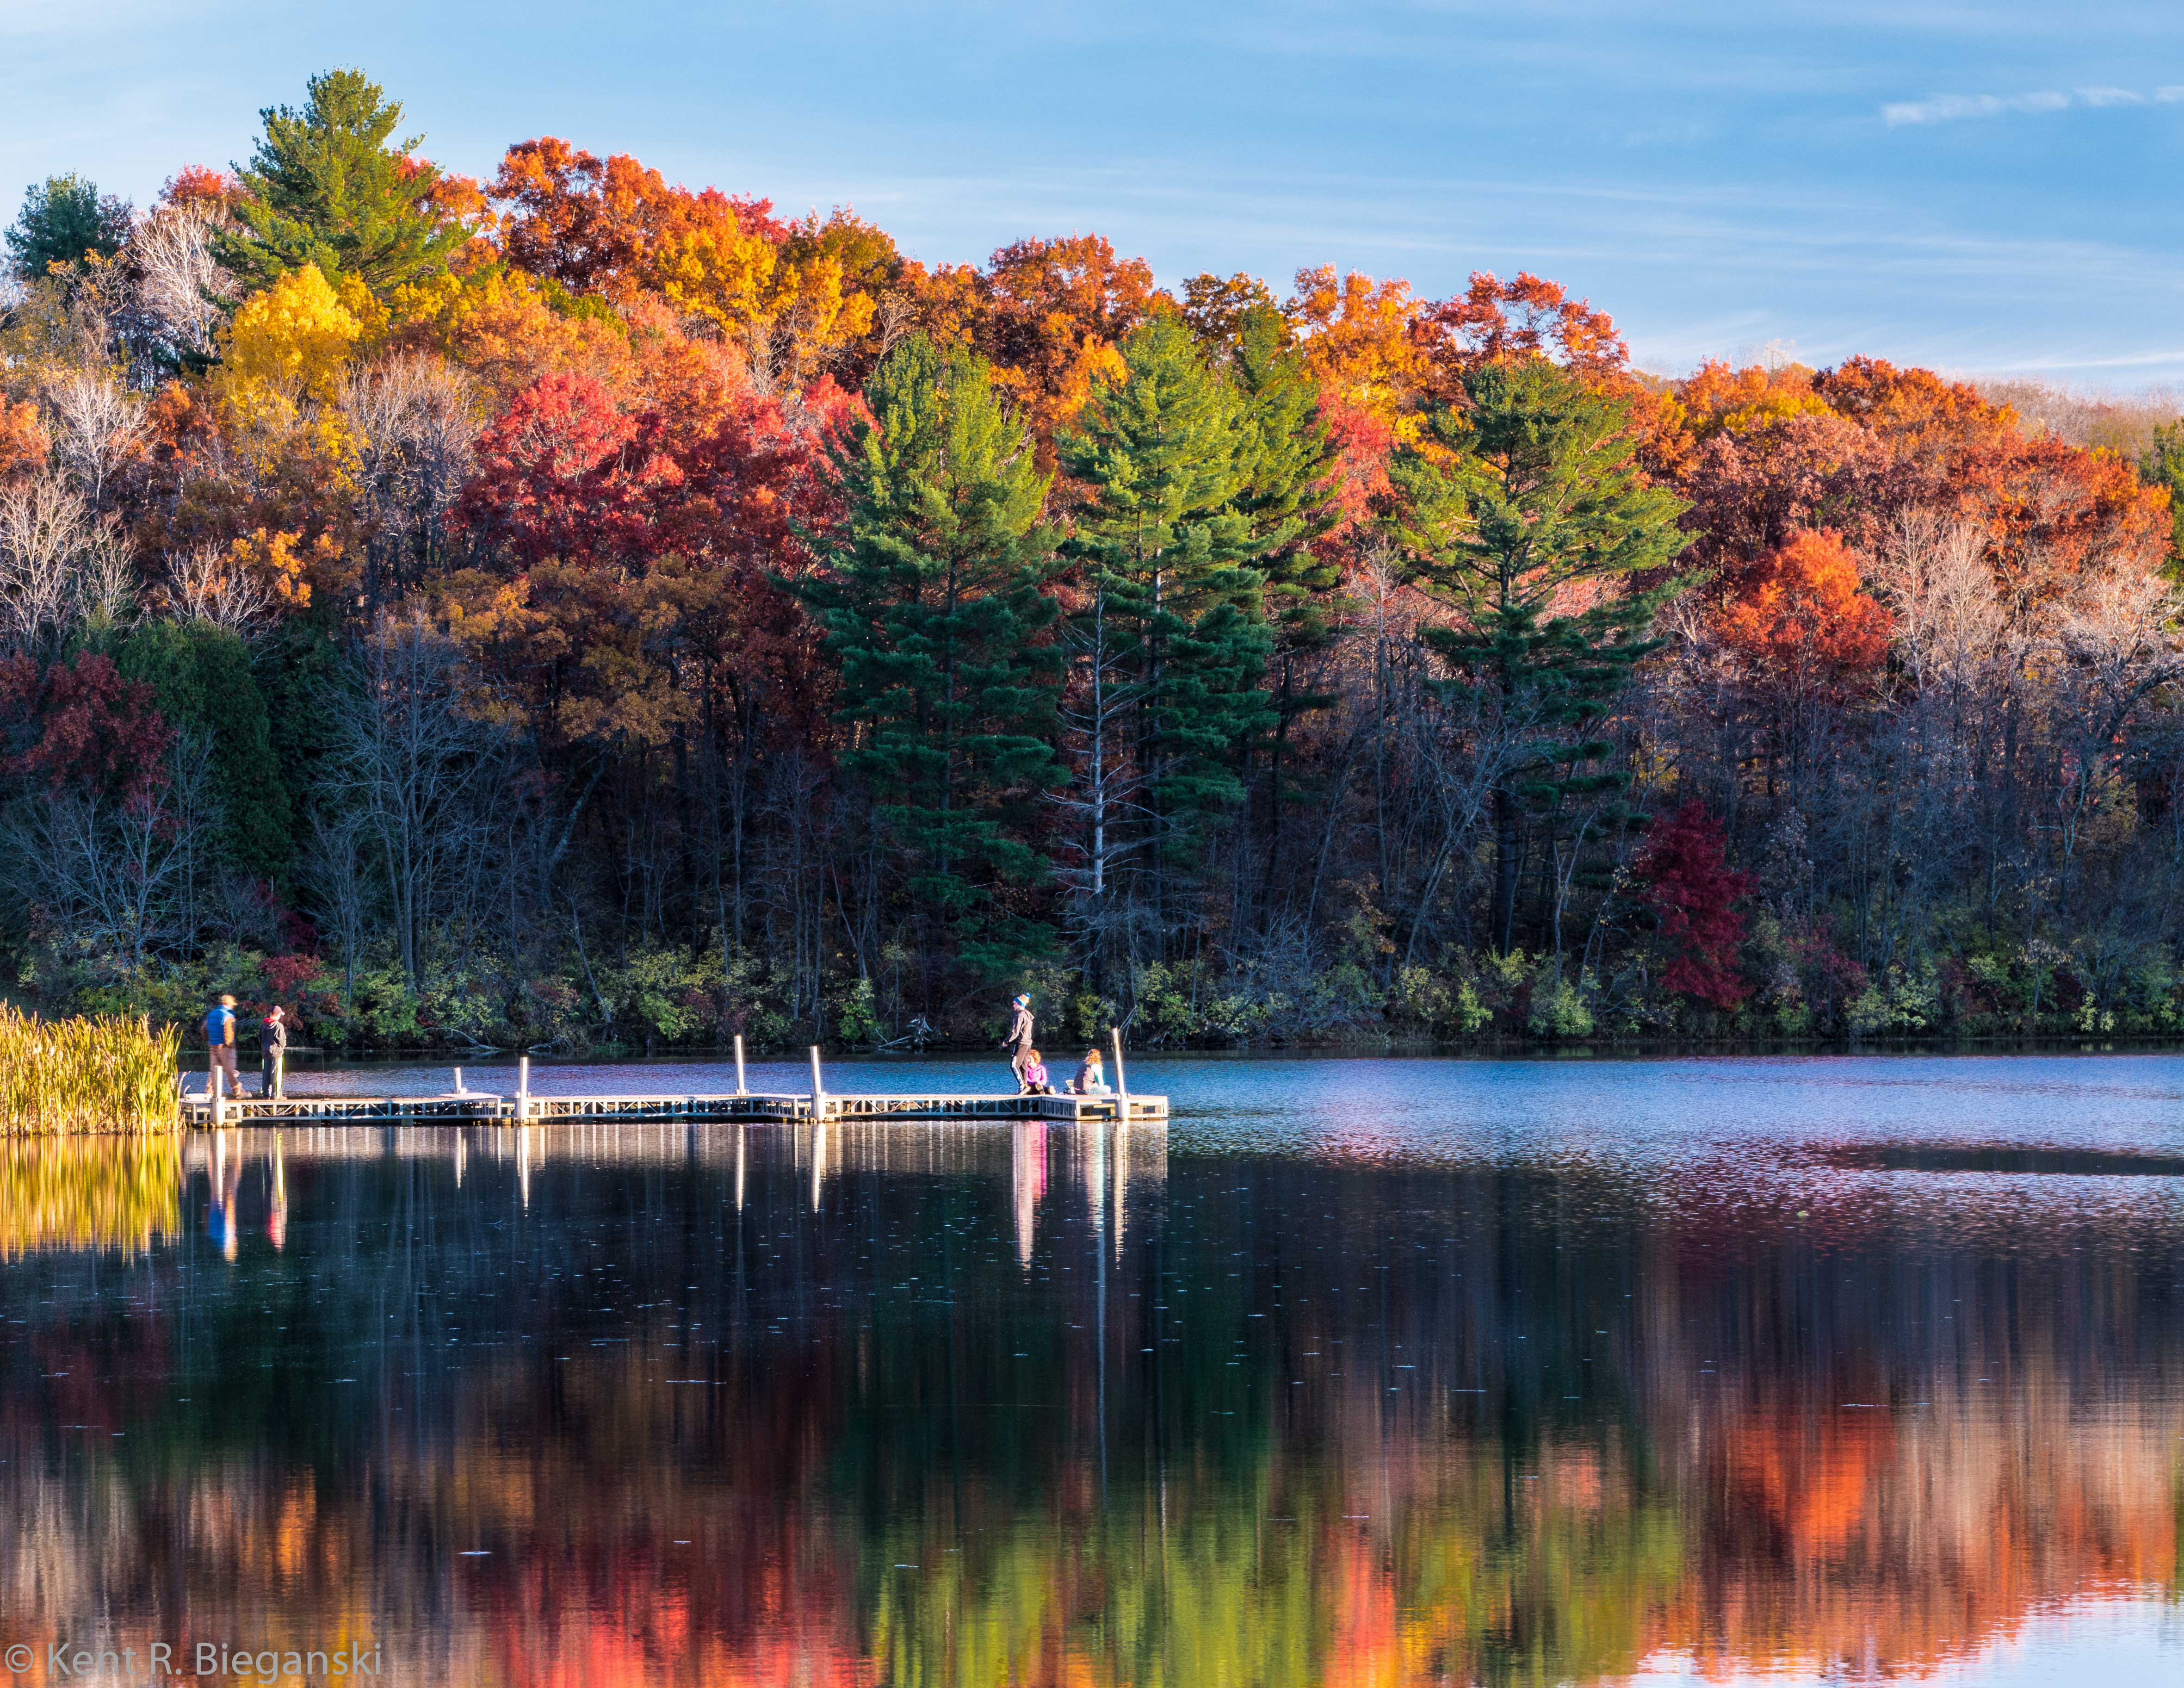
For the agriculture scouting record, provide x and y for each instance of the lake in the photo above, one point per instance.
(1362, 1372)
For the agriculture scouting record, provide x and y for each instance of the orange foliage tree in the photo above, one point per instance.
(1804, 622)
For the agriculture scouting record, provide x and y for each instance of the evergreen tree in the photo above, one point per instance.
(1171, 539)
(200, 678)
(1530, 489)
(934, 610)
(63, 219)
(325, 187)
(1288, 497)
(2162, 464)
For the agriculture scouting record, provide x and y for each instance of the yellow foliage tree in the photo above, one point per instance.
(785, 312)
(501, 325)
(282, 360)
(294, 338)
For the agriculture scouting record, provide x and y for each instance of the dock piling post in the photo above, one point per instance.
(458, 1081)
(1122, 1080)
(740, 1091)
(818, 1093)
(522, 1088)
(219, 1113)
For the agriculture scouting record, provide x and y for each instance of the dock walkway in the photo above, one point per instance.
(470, 1107)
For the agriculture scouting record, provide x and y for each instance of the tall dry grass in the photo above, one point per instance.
(121, 1193)
(60, 1077)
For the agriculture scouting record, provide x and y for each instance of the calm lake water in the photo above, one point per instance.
(1363, 1372)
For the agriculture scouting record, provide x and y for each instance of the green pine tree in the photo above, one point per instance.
(64, 220)
(2162, 464)
(1174, 543)
(1530, 488)
(1288, 496)
(200, 675)
(326, 188)
(935, 610)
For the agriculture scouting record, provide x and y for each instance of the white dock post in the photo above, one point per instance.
(818, 1093)
(218, 1111)
(740, 1091)
(1122, 1080)
(458, 1081)
(522, 1088)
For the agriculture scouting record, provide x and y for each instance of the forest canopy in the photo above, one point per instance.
(572, 609)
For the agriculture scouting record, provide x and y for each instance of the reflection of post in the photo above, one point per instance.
(523, 1163)
(1122, 1184)
(458, 1159)
(818, 1159)
(1029, 1148)
(1095, 1137)
(276, 1221)
(743, 1135)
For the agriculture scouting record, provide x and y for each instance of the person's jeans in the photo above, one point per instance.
(268, 1078)
(1017, 1063)
(223, 1058)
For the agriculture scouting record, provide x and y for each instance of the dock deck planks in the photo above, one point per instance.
(474, 1106)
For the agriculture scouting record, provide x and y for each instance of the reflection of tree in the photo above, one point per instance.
(878, 1444)
(117, 1192)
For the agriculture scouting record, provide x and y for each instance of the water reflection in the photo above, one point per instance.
(100, 1192)
(1044, 1404)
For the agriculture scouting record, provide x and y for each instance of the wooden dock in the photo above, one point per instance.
(473, 1107)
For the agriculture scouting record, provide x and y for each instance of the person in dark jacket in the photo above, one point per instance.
(1020, 1042)
(272, 1051)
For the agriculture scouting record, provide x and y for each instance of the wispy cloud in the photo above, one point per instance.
(1954, 108)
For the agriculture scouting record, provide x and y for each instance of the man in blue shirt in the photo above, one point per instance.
(220, 1039)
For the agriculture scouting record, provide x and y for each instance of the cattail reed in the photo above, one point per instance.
(103, 1072)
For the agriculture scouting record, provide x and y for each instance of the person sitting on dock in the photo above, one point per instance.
(1035, 1081)
(220, 1045)
(1020, 1037)
(1091, 1079)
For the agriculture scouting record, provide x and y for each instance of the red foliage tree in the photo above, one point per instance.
(94, 730)
(638, 545)
(560, 474)
(1692, 892)
(1497, 321)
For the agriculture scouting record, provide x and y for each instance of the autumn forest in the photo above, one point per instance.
(572, 609)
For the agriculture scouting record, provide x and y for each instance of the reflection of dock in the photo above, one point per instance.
(1105, 1161)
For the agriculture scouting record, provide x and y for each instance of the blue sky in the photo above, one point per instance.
(1985, 188)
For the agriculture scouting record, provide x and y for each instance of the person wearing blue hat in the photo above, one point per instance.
(1020, 1042)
